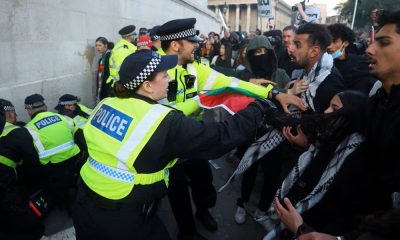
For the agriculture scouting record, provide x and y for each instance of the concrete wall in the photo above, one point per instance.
(47, 46)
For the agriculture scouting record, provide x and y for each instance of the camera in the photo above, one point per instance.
(189, 80)
(303, 4)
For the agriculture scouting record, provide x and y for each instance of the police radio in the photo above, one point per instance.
(172, 89)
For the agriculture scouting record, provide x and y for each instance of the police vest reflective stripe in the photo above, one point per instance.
(8, 162)
(116, 133)
(121, 50)
(85, 109)
(80, 121)
(53, 137)
(8, 127)
(138, 134)
(128, 177)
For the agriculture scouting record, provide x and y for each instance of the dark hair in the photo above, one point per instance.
(122, 92)
(228, 54)
(290, 27)
(341, 31)
(390, 17)
(240, 59)
(165, 44)
(317, 35)
(103, 40)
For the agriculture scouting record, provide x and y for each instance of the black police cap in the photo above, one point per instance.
(66, 99)
(128, 30)
(153, 33)
(137, 67)
(179, 29)
(34, 101)
(6, 105)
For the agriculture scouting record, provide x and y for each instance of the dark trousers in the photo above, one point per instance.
(196, 174)
(103, 219)
(17, 220)
(275, 165)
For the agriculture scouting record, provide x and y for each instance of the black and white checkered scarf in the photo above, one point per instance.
(271, 221)
(274, 137)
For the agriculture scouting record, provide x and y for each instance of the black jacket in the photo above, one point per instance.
(178, 136)
(355, 72)
(18, 146)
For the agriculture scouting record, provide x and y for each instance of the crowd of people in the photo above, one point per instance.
(324, 122)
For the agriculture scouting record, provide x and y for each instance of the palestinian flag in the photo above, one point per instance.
(231, 99)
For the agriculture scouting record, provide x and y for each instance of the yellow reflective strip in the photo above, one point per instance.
(210, 80)
(234, 82)
(36, 139)
(150, 178)
(8, 162)
(140, 131)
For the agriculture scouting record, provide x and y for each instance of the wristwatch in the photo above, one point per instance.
(274, 92)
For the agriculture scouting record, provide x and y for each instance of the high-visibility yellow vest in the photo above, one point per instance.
(206, 79)
(8, 127)
(53, 137)
(80, 121)
(121, 50)
(115, 134)
(85, 109)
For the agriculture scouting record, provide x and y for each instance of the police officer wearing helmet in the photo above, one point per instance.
(121, 50)
(188, 79)
(53, 137)
(132, 141)
(19, 164)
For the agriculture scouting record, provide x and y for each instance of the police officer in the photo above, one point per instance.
(121, 50)
(155, 39)
(132, 141)
(189, 78)
(69, 105)
(53, 137)
(18, 161)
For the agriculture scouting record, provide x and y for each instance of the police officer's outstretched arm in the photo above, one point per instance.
(209, 79)
(211, 140)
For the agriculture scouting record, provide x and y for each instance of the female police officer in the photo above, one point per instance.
(131, 140)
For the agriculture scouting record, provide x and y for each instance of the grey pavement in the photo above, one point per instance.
(59, 225)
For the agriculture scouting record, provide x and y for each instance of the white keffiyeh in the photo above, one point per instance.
(271, 221)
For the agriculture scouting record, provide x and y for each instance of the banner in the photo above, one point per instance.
(265, 9)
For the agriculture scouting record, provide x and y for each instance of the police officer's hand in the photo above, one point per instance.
(261, 81)
(286, 99)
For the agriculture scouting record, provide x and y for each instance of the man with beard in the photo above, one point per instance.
(319, 80)
(188, 79)
(382, 134)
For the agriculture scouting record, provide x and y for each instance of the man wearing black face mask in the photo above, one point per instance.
(263, 63)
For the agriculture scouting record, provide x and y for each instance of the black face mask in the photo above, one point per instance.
(261, 66)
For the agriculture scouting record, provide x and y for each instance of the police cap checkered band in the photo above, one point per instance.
(179, 35)
(137, 67)
(68, 102)
(34, 101)
(144, 74)
(7, 105)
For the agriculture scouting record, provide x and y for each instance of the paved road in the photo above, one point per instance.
(223, 212)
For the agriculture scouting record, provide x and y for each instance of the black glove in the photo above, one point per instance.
(266, 106)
